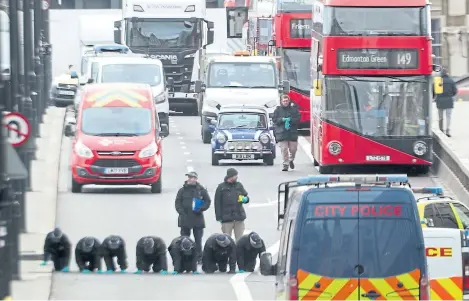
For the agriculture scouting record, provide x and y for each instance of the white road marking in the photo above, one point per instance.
(306, 147)
(189, 160)
(238, 282)
(181, 138)
(190, 168)
(187, 153)
(183, 147)
(178, 133)
(182, 142)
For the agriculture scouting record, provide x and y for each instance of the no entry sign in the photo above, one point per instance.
(17, 127)
(45, 4)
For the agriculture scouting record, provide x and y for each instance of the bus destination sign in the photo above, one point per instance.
(377, 59)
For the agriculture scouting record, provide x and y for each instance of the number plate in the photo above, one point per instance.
(378, 158)
(66, 92)
(243, 156)
(116, 171)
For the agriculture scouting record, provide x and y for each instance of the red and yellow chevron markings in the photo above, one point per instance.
(128, 96)
(446, 289)
(315, 287)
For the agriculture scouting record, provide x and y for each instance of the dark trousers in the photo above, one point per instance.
(198, 233)
(219, 264)
(92, 262)
(61, 260)
(145, 264)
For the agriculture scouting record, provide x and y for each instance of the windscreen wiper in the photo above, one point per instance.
(398, 79)
(267, 87)
(232, 86)
(117, 135)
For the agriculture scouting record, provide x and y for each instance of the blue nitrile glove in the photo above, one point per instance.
(164, 272)
(139, 272)
(287, 124)
(109, 272)
(241, 271)
(195, 273)
(284, 119)
(65, 269)
(123, 271)
(99, 271)
(220, 221)
(245, 200)
(85, 271)
(174, 273)
(44, 263)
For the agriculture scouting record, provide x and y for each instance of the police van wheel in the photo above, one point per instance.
(215, 160)
(325, 170)
(76, 187)
(157, 186)
(206, 136)
(269, 160)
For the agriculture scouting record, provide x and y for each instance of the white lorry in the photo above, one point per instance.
(173, 31)
(248, 80)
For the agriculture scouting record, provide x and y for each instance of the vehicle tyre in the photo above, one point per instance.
(425, 169)
(167, 133)
(316, 163)
(269, 160)
(215, 160)
(157, 186)
(76, 187)
(206, 136)
(325, 170)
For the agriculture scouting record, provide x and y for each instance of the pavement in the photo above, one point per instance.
(40, 210)
(135, 212)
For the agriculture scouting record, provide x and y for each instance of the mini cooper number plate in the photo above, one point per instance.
(243, 156)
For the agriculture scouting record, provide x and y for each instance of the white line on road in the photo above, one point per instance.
(181, 138)
(306, 147)
(190, 168)
(182, 142)
(183, 147)
(187, 153)
(189, 160)
(178, 133)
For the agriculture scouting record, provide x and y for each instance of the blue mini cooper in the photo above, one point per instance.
(241, 133)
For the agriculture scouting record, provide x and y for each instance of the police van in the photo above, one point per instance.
(349, 237)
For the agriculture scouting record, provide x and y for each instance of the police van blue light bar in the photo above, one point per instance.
(430, 190)
(359, 179)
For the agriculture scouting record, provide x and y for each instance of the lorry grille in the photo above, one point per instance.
(115, 163)
(181, 74)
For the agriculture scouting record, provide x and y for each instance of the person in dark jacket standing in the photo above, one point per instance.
(445, 102)
(286, 120)
(58, 246)
(230, 197)
(191, 202)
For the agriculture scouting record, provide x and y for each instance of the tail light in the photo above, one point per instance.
(465, 272)
(424, 288)
(293, 288)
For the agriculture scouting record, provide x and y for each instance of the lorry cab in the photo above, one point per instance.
(117, 139)
(244, 80)
(141, 70)
(349, 237)
(448, 263)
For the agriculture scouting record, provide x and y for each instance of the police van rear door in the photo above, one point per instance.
(328, 246)
(391, 256)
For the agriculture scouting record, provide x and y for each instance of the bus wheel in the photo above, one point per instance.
(325, 170)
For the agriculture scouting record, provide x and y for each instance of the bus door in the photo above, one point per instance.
(391, 257)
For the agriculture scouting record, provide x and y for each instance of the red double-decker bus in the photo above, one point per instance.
(371, 69)
(292, 41)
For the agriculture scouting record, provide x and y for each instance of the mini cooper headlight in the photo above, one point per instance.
(221, 138)
(334, 148)
(420, 148)
(264, 138)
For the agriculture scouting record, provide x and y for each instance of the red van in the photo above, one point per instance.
(117, 137)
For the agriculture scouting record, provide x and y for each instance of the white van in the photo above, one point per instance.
(136, 69)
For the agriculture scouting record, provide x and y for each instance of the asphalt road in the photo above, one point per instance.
(135, 212)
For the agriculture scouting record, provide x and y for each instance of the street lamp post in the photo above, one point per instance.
(47, 54)
(39, 67)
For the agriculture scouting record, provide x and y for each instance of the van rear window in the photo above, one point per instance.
(379, 232)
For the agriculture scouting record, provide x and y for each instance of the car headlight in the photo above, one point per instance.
(160, 98)
(83, 151)
(271, 104)
(221, 138)
(149, 150)
(213, 103)
(420, 148)
(334, 148)
(264, 138)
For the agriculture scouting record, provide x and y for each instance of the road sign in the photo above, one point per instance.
(45, 4)
(17, 127)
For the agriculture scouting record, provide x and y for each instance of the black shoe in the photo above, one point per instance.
(292, 165)
(448, 134)
(285, 168)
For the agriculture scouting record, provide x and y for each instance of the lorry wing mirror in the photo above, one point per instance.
(198, 86)
(265, 265)
(117, 24)
(317, 84)
(210, 24)
(117, 36)
(285, 87)
(436, 68)
(170, 81)
(213, 121)
(438, 85)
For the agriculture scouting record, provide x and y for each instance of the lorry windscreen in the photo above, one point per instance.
(379, 233)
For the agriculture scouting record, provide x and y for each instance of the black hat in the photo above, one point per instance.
(148, 245)
(187, 246)
(231, 172)
(114, 242)
(56, 235)
(255, 240)
(88, 244)
(223, 240)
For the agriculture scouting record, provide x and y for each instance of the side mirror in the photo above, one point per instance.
(73, 75)
(90, 81)
(69, 130)
(164, 132)
(317, 84)
(170, 82)
(286, 87)
(438, 85)
(210, 37)
(210, 25)
(265, 265)
(436, 68)
(198, 86)
(117, 32)
(213, 122)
